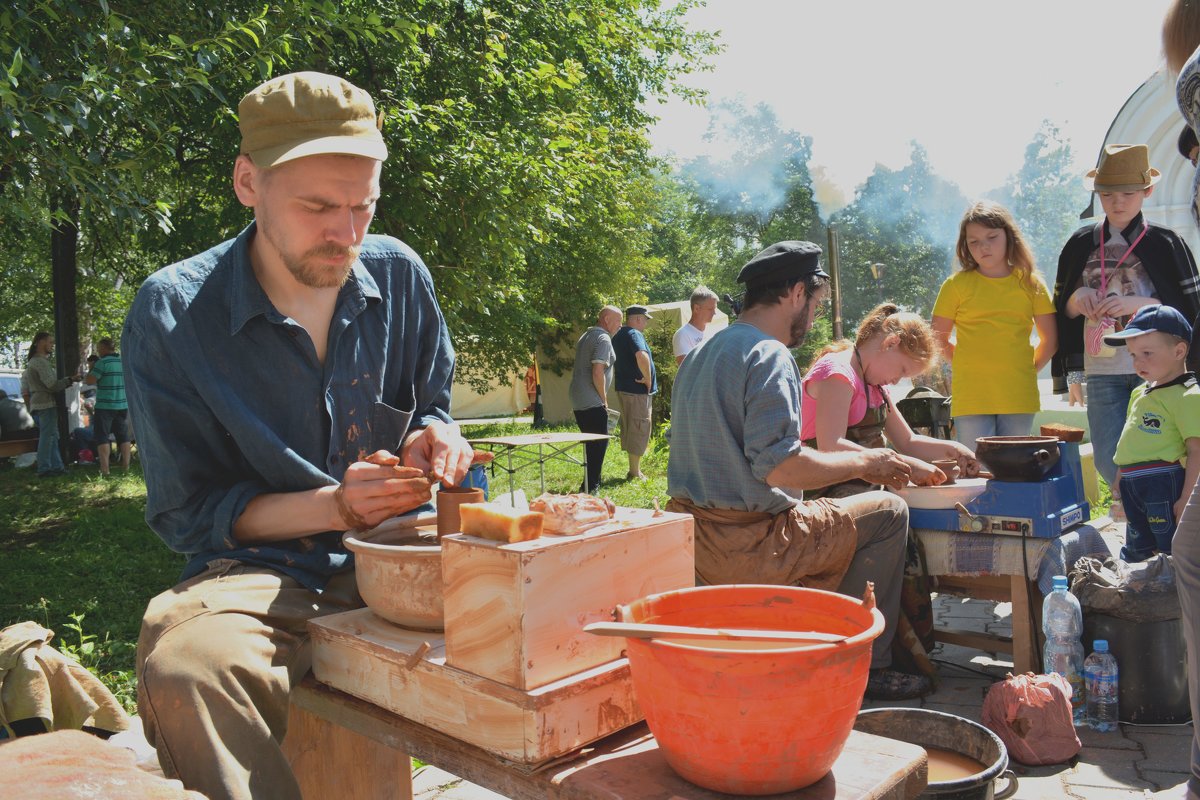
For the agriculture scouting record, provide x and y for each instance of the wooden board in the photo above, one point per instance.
(320, 751)
(369, 658)
(515, 612)
(624, 766)
(1026, 641)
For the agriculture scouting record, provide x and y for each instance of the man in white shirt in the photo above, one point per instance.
(691, 334)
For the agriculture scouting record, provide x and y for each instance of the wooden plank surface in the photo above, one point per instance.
(624, 766)
(359, 653)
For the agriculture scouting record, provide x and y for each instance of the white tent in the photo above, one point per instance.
(502, 399)
(1151, 116)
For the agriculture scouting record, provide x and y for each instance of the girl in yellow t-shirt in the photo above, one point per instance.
(993, 303)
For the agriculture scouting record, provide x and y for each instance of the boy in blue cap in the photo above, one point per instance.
(1161, 428)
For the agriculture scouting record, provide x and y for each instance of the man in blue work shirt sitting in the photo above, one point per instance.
(287, 385)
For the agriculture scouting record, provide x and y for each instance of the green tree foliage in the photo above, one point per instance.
(519, 166)
(686, 249)
(108, 112)
(905, 220)
(1045, 196)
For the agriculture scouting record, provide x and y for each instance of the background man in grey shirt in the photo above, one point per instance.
(594, 359)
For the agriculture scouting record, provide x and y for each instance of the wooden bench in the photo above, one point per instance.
(16, 447)
(344, 747)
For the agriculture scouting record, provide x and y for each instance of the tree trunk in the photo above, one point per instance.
(64, 246)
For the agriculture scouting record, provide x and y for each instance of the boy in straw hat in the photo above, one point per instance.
(288, 385)
(1106, 272)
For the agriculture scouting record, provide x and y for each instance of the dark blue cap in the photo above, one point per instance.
(645, 312)
(1148, 319)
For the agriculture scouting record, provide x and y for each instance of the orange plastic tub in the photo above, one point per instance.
(751, 717)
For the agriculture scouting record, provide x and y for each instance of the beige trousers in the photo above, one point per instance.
(217, 657)
(635, 422)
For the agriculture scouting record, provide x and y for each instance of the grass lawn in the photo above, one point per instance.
(77, 557)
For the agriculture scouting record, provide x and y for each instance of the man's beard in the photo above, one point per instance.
(303, 268)
(322, 276)
(800, 327)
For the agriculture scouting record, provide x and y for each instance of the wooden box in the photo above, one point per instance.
(363, 655)
(515, 612)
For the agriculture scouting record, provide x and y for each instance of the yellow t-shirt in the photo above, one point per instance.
(993, 359)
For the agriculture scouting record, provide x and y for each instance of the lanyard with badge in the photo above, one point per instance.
(1095, 336)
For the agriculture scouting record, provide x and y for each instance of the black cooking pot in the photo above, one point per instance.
(1018, 458)
(927, 728)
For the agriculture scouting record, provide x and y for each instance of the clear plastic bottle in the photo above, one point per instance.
(1062, 622)
(1100, 677)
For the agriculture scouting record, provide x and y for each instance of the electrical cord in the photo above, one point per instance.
(1032, 617)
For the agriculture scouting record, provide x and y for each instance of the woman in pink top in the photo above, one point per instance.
(845, 405)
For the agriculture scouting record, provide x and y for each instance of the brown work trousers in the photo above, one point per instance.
(217, 658)
(823, 544)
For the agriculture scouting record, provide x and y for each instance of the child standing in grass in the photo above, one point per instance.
(993, 304)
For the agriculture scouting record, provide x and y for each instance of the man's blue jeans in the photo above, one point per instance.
(1107, 405)
(48, 457)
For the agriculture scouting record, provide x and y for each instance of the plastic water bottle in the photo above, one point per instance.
(1100, 677)
(1062, 622)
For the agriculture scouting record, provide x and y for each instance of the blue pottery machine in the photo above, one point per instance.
(1042, 509)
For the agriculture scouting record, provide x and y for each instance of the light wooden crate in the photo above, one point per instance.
(515, 612)
(387, 665)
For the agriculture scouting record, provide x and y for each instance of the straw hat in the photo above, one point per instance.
(1123, 168)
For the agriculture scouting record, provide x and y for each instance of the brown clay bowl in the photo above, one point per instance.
(1018, 458)
(399, 574)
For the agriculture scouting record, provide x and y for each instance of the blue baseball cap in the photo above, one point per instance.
(1149, 319)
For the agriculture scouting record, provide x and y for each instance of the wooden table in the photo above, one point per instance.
(1009, 569)
(348, 748)
(536, 449)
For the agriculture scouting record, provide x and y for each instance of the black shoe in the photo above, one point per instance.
(888, 684)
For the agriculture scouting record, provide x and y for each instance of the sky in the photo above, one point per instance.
(970, 81)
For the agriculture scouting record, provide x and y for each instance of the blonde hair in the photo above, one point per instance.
(914, 334)
(1180, 33)
(994, 215)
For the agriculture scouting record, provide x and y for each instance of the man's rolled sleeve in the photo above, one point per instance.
(772, 416)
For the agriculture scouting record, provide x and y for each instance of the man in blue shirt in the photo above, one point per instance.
(738, 468)
(286, 386)
(636, 383)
